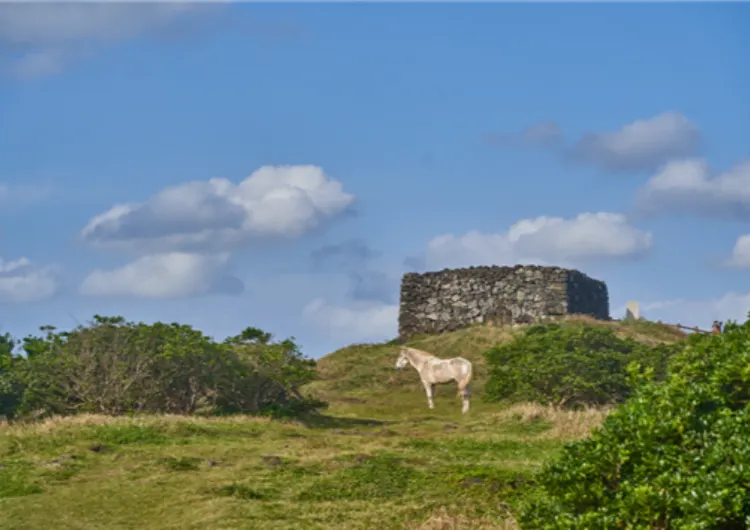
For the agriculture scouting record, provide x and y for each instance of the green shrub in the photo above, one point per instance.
(11, 389)
(568, 366)
(116, 367)
(675, 455)
(266, 376)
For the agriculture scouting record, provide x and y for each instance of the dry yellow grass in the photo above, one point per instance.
(566, 425)
(56, 423)
(443, 519)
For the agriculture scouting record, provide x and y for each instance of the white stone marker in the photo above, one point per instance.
(631, 311)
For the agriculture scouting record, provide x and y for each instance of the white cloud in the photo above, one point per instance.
(167, 275)
(48, 36)
(543, 240)
(358, 322)
(20, 281)
(10, 266)
(640, 145)
(740, 258)
(686, 186)
(273, 202)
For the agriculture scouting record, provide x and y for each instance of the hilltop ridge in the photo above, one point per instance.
(363, 374)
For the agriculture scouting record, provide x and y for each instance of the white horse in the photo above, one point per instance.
(433, 370)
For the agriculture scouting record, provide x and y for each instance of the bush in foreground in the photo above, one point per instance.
(676, 455)
(568, 366)
(10, 388)
(116, 367)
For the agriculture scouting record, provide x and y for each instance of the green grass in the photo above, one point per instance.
(378, 458)
(172, 472)
(363, 376)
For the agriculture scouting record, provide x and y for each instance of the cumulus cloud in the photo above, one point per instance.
(542, 134)
(640, 145)
(21, 281)
(686, 186)
(740, 258)
(359, 322)
(543, 240)
(166, 275)
(273, 202)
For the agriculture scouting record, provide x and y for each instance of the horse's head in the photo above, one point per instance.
(402, 360)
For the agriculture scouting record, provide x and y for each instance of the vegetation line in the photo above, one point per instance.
(576, 424)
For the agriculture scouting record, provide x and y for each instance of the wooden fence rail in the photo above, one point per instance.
(716, 329)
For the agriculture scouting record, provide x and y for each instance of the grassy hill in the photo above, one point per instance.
(362, 377)
(378, 458)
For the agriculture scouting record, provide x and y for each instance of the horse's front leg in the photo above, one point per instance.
(429, 389)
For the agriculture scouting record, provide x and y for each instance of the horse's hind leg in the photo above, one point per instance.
(429, 389)
(464, 394)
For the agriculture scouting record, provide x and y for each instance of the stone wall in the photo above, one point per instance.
(435, 302)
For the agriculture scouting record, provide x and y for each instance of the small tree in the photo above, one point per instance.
(273, 373)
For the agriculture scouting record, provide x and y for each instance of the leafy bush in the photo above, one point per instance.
(10, 387)
(117, 367)
(675, 455)
(267, 376)
(568, 366)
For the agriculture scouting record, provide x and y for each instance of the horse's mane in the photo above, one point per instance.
(420, 352)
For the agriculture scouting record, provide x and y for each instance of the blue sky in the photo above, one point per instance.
(282, 166)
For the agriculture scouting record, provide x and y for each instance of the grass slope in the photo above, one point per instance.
(378, 459)
(92, 472)
(362, 376)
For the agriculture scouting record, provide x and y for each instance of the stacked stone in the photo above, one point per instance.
(436, 302)
(587, 296)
